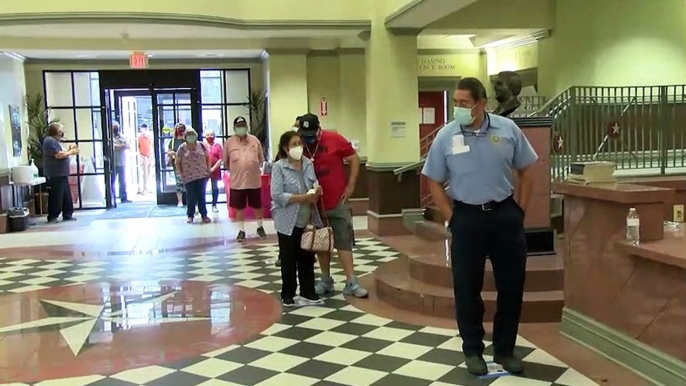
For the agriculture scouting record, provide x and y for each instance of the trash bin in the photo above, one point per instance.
(19, 219)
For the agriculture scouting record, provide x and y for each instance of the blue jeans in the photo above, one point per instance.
(195, 195)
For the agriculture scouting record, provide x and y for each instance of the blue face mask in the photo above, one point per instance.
(463, 115)
(309, 139)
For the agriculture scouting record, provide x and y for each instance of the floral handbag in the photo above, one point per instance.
(316, 239)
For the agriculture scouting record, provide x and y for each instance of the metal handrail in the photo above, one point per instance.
(413, 166)
(550, 102)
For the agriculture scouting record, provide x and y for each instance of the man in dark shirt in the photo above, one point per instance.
(56, 169)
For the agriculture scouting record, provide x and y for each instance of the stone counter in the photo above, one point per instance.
(627, 302)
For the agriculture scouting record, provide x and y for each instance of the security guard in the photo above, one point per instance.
(475, 154)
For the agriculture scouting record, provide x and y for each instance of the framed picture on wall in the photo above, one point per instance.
(15, 123)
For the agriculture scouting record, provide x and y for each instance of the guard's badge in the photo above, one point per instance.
(495, 139)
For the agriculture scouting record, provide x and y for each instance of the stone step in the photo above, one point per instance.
(396, 288)
(543, 273)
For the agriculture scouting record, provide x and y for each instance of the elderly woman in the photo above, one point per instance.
(295, 192)
(193, 167)
(173, 147)
(216, 155)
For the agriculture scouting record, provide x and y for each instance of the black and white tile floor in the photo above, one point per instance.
(335, 344)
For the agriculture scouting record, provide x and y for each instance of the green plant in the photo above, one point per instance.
(38, 122)
(257, 102)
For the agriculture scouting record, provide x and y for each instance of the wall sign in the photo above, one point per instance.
(398, 129)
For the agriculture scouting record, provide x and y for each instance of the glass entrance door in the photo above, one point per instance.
(171, 106)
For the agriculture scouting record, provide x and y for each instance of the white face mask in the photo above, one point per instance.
(296, 152)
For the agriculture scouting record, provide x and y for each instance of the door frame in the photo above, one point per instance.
(148, 82)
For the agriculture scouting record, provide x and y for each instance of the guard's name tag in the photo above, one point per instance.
(458, 145)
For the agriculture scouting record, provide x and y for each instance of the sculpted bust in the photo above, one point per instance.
(507, 87)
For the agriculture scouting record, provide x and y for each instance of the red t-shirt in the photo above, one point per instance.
(329, 154)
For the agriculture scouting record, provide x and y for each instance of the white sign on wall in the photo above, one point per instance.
(398, 129)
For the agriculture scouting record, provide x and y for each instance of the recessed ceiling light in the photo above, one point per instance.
(150, 55)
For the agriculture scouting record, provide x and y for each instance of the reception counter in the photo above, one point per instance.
(628, 302)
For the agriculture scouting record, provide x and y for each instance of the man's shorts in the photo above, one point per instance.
(239, 199)
(341, 222)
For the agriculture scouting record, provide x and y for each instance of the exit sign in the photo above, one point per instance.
(138, 60)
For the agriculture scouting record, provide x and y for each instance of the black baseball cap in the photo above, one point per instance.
(240, 121)
(308, 123)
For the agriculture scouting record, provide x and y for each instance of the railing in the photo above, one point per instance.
(641, 129)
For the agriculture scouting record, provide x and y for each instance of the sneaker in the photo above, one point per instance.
(510, 363)
(180, 205)
(68, 219)
(206, 220)
(303, 301)
(241, 236)
(277, 263)
(214, 209)
(476, 365)
(52, 221)
(189, 220)
(290, 303)
(261, 233)
(354, 288)
(125, 201)
(324, 286)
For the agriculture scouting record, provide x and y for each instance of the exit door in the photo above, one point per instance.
(432, 110)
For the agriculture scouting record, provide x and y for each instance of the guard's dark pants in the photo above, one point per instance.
(496, 231)
(119, 175)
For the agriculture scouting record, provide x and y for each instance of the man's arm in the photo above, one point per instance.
(524, 159)
(225, 152)
(436, 171)
(525, 186)
(354, 162)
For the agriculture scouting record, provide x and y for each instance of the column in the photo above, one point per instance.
(616, 43)
(392, 125)
(287, 93)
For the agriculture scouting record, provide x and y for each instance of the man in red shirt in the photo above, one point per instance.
(145, 161)
(328, 151)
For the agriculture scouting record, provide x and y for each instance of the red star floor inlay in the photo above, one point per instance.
(109, 327)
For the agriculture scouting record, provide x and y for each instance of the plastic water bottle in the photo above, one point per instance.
(632, 225)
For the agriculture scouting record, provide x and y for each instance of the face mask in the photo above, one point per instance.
(241, 131)
(309, 139)
(192, 138)
(179, 133)
(296, 152)
(463, 116)
(210, 140)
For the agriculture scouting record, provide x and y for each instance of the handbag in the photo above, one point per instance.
(317, 239)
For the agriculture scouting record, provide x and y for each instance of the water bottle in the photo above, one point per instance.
(632, 225)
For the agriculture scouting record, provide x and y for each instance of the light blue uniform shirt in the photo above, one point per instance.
(285, 182)
(477, 165)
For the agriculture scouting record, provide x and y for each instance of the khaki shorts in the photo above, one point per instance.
(341, 222)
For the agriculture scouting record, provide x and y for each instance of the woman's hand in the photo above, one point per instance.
(311, 198)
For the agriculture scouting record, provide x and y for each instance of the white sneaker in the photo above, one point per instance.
(302, 301)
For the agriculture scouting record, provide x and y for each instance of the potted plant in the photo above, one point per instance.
(257, 102)
(38, 122)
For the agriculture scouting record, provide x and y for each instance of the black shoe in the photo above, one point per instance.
(277, 263)
(510, 363)
(68, 219)
(476, 365)
(261, 233)
(125, 201)
(52, 221)
(241, 236)
(288, 303)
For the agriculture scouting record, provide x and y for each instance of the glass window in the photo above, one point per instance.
(88, 129)
(211, 86)
(58, 89)
(233, 112)
(237, 86)
(212, 119)
(85, 93)
(66, 118)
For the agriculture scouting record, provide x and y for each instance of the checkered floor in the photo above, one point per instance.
(335, 344)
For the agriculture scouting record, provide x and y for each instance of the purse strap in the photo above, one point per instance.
(321, 211)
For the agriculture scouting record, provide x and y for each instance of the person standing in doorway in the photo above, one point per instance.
(56, 165)
(193, 166)
(174, 145)
(121, 145)
(243, 157)
(145, 160)
(216, 155)
(475, 154)
(328, 151)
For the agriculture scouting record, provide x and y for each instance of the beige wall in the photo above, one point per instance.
(12, 91)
